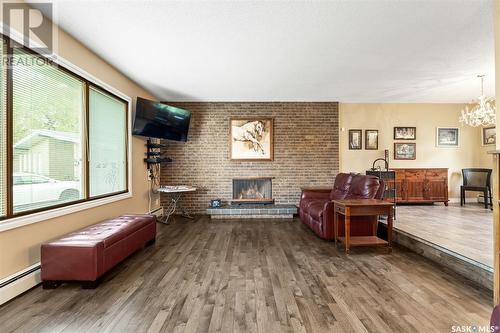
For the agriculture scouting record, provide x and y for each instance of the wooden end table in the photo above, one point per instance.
(362, 207)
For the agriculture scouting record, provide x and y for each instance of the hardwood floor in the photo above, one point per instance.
(465, 230)
(255, 276)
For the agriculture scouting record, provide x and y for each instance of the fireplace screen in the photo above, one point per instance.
(252, 190)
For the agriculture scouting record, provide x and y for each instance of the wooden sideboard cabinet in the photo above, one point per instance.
(421, 185)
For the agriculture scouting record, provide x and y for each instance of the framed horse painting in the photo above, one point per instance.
(251, 139)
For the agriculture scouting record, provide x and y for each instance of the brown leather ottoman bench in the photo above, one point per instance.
(87, 254)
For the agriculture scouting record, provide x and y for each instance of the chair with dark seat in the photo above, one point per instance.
(478, 180)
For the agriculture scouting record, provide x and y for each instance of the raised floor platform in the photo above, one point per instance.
(470, 269)
(246, 211)
(455, 237)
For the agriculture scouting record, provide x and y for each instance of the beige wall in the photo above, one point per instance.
(19, 248)
(426, 117)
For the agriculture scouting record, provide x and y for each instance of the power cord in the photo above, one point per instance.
(153, 175)
(149, 192)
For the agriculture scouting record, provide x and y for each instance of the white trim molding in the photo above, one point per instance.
(20, 221)
(19, 285)
(22, 281)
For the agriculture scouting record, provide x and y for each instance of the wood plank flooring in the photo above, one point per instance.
(255, 276)
(465, 230)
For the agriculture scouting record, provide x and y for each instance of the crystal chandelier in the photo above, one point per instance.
(482, 114)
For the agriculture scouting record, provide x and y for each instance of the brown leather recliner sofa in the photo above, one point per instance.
(316, 206)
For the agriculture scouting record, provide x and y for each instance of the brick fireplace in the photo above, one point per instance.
(306, 151)
(252, 190)
(252, 198)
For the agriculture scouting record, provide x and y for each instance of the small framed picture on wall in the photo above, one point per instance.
(405, 151)
(405, 133)
(371, 139)
(355, 139)
(447, 137)
(489, 135)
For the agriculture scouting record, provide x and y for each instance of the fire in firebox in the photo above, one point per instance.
(252, 190)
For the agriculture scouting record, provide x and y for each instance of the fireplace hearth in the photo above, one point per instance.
(253, 190)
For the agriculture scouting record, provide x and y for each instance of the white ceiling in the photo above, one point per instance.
(348, 51)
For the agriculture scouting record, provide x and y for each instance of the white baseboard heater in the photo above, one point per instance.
(20, 282)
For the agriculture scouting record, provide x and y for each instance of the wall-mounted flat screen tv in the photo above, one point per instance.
(159, 120)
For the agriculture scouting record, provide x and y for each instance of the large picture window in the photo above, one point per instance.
(63, 140)
(107, 143)
(47, 110)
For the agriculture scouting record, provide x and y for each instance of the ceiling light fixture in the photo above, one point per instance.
(481, 114)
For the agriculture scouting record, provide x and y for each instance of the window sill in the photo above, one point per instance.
(20, 221)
